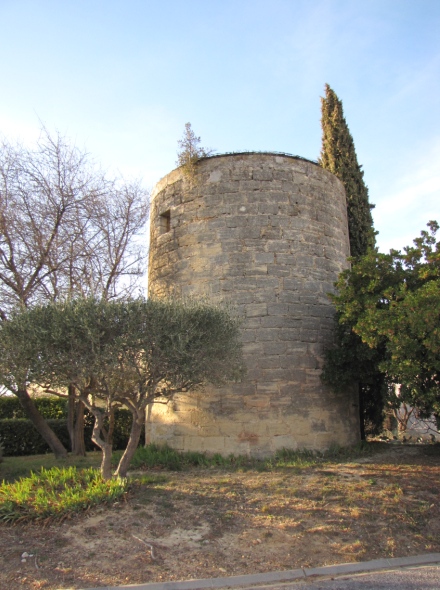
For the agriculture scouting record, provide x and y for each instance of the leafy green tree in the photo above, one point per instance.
(128, 353)
(391, 303)
(338, 155)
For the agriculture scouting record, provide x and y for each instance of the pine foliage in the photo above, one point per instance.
(190, 151)
(338, 155)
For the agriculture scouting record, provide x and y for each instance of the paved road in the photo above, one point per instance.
(423, 578)
(420, 572)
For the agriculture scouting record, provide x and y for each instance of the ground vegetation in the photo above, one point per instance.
(221, 520)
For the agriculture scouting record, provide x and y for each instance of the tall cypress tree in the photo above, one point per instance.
(339, 156)
(352, 359)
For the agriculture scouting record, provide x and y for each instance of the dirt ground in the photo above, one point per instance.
(212, 522)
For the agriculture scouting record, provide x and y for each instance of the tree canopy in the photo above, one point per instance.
(129, 353)
(391, 304)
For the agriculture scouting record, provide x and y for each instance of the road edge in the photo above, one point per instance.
(285, 576)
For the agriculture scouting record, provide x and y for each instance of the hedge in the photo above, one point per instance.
(19, 437)
(54, 408)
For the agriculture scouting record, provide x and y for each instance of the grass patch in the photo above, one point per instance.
(164, 457)
(14, 468)
(55, 493)
(156, 456)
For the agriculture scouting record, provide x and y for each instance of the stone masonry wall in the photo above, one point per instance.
(269, 233)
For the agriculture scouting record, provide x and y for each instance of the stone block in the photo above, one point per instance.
(273, 347)
(254, 270)
(274, 321)
(277, 270)
(248, 336)
(263, 257)
(267, 388)
(262, 174)
(249, 233)
(256, 310)
(276, 245)
(270, 362)
(309, 335)
(285, 441)
(268, 208)
(258, 403)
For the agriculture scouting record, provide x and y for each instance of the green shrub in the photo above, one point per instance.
(56, 493)
(154, 455)
(49, 407)
(19, 437)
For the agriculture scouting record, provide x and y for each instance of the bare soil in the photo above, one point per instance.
(212, 522)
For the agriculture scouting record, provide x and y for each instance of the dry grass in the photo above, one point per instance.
(215, 522)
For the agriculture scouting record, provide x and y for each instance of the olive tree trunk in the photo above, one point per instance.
(40, 424)
(105, 445)
(75, 425)
(133, 442)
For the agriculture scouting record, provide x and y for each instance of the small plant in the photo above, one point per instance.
(154, 455)
(291, 458)
(190, 152)
(56, 493)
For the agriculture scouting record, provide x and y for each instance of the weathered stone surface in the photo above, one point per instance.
(268, 233)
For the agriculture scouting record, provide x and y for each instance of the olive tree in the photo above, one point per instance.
(66, 229)
(129, 353)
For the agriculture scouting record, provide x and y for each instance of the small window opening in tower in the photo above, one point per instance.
(165, 222)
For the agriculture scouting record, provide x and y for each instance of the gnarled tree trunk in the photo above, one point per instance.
(105, 446)
(40, 424)
(133, 441)
(75, 425)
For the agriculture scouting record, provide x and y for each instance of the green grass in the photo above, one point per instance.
(56, 492)
(156, 456)
(164, 457)
(13, 468)
(42, 487)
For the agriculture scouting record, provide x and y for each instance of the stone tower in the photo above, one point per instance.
(269, 233)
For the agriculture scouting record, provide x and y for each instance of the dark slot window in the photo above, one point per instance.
(165, 222)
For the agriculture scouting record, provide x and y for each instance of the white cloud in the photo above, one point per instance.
(411, 202)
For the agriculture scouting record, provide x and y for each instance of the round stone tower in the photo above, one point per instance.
(269, 233)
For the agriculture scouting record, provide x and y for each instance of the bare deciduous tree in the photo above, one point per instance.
(66, 229)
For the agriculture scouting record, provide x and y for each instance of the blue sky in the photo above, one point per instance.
(121, 79)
